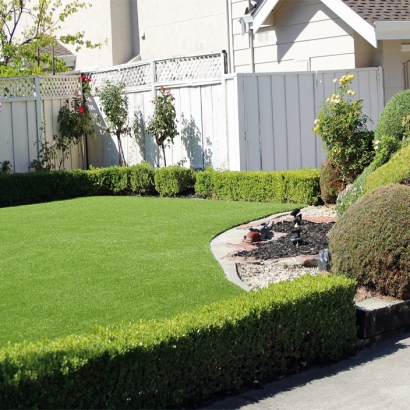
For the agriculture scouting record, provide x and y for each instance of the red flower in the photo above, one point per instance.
(89, 80)
(81, 109)
(83, 78)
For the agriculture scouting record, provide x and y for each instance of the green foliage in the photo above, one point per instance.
(370, 241)
(6, 167)
(163, 124)
(391, 118)
(342, 127)
(22, 189)
(74, 119)
(171, 181)
(396, 171)
(298, 186)
(346, 199)
(115, 103)
(27, 27)
(186, 359)
(331, 182)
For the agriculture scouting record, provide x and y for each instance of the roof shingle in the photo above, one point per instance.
(381, 10)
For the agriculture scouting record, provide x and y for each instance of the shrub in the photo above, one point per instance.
(31, 188)
(391, 118)
(141, 179)
(186, 359)
(342, 127)
(396, 171)
(331, 182)
(370, 241)
(385, 148)
(346, 199)
(171, 181)
(298, 186)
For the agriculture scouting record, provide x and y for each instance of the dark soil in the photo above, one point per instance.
(313, 240)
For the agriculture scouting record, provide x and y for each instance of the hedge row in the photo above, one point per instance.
(298, 186)
(301, 186)
(142, 179)
(159, 364)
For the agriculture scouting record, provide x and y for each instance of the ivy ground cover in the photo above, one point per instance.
(68, 265)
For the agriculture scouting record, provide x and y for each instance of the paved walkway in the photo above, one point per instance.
(375, 379)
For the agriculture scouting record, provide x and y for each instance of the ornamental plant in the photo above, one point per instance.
(163, 124)
(115, 108)
(342, 128)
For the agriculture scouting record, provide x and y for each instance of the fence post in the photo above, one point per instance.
(39, 110)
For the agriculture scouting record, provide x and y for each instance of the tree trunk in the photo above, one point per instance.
(163, 153)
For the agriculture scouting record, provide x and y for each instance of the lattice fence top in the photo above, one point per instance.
(24, 87)
(59, 86)
(168, 70)
(129, 76)
(17, 87)
(188, 68)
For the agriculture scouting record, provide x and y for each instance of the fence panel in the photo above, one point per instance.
(28, 105)
(277, 119)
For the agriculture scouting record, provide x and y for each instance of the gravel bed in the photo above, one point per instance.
(260, 275)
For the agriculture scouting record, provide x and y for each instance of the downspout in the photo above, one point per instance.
(251, 43)
(230, 36)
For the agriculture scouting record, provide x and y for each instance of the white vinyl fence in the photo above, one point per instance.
(28, 115)
(260, 121)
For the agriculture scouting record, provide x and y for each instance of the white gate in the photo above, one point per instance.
(271, 115)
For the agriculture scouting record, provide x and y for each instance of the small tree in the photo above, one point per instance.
(115, 108)
(342, 127)
(163, 124)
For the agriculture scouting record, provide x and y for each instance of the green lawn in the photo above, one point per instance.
(70, 264)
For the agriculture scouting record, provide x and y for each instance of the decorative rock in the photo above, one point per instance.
(252, 236)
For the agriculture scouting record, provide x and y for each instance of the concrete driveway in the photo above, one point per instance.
(377, 378)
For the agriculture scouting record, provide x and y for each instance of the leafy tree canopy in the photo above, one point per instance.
(29, 25)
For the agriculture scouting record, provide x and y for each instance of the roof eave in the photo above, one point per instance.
(392, 30)
(350, 17)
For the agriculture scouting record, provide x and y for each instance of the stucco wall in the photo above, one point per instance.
(306, 36)
(178, 27)
(107, 21)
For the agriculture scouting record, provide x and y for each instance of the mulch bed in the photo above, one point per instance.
(314, 237)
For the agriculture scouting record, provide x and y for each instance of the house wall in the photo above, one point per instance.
(306, 36)
(180, 27)
(109, 22)
(389, 56)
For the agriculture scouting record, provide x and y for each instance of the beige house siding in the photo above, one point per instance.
(181, 27)
(108, 22)
(306, 36)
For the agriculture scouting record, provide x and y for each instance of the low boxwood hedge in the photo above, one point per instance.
(35, 187)
(171, 181)
(296, 186)
(215, 348)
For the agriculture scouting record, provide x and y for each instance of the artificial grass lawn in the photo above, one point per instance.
(70, 264)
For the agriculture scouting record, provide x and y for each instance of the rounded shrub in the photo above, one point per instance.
(331, 182)
(391, 119)
(370, 242)
(396, 171)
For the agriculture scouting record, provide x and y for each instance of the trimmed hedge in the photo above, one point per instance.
(158, 364)
(396, 171)
(390, 122)
(31, 188)
(298, 186)
(171, 181)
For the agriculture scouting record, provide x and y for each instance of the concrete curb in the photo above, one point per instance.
(228, 242)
